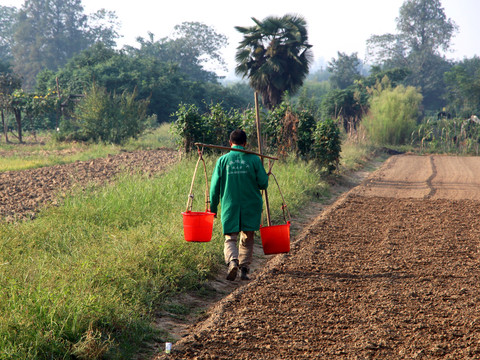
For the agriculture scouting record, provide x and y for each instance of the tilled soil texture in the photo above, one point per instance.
(23, 193)
(374, 277)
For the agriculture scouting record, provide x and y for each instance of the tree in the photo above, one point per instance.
(118, 71)
(348, 105)
(9, 82)
(7, 22)
(193, 47)
(275, 56)
(423, 32)
(463, 85)
(49, 32)
(344, 70)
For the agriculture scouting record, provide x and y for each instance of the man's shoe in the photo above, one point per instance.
(232, 270)
(244, 273)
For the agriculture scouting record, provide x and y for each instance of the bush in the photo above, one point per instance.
(327, 146)
(213, 127)
(393, 114)
(104, 117)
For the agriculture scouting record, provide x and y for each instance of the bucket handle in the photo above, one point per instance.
(190, 195)
(284, 204)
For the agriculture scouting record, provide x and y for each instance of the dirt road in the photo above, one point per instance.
(390, 271)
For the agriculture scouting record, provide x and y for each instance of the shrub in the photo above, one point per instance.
(305, 130)
(104, 117)
(213, 127)
(327, 146)
(188, 126)
(393, 114)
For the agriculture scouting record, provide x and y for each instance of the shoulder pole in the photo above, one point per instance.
(234, 149)
(259, 139)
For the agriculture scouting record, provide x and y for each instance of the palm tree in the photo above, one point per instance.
(275, 56)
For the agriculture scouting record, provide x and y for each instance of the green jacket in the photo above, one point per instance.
(236, 183)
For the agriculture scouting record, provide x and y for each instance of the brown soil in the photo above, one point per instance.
(23, 193)
(389, 271)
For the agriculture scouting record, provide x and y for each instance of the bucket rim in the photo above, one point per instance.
(196, 213)
(271, 226)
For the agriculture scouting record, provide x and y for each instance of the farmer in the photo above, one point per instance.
(236, 183)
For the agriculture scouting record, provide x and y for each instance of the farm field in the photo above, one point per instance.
(23, 193)
(389, 271)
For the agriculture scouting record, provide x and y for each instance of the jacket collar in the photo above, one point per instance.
(238, 147)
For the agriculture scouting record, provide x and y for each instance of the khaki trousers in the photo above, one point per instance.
(244, 252)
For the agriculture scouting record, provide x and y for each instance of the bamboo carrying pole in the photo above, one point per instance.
(259, 139)
(233, 149)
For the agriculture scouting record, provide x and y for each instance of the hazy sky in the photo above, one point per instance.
(333, 25)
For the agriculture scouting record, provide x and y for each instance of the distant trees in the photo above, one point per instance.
(162, 83)
(275, 56)
(48, 33)
(463, 87)
(7, 25)
(192, 48)
(423, 31)
(344, 70)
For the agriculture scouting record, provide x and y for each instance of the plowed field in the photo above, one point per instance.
(390, 271)
(23, 193)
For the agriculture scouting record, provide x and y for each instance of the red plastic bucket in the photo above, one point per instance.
(275, 239)
(197, 226)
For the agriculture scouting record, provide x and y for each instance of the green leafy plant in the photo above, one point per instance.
(104, 117)
(327, 146)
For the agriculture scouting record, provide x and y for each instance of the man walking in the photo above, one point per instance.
(236, 183)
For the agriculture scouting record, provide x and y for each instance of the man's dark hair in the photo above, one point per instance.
(238, 137)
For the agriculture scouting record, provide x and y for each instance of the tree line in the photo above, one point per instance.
(45, 74)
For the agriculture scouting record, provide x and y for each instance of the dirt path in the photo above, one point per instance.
(390, 271)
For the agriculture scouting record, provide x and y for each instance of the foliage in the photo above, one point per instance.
(105, 117)
(463, 84)
(274, 55)
(211, 127)
(193, 47)
(327, 145)
(288, 130)
(349, 105)
(48, 34)
(7, 22)
(393, 114)
(424, 31)
(344, 70)
(35, 108)
(310, 96)
(305, 132)
(162, 83)
(456, 135)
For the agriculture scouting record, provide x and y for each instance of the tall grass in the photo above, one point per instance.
(392, 116)
(84, 279)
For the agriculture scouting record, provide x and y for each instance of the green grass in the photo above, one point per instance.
(87, 275)
(85, 279)
(48, 152)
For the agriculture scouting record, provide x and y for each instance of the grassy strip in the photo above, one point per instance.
(49, 152)
(84, 279)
